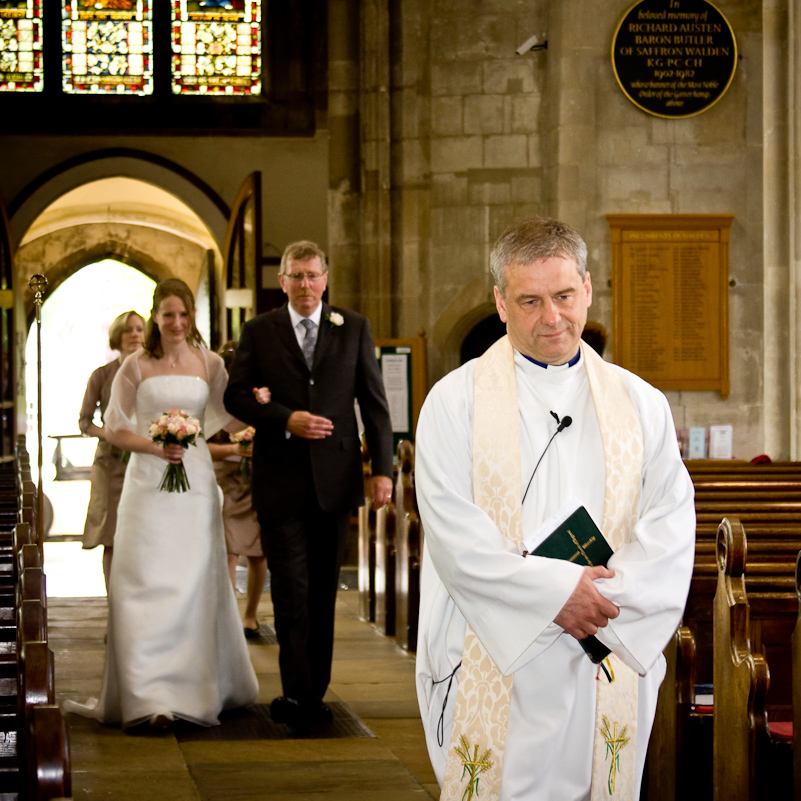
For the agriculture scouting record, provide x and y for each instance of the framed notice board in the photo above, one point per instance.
(670, 277)
(403, 366)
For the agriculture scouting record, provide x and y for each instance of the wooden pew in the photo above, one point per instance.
(409, 550)
(752, 630)
(796, 657)
(682, 727)
(385, 557)
(48, 763)
(367, 538)
(681, 738)
(34, 755)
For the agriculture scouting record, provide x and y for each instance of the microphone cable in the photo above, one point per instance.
(565, 422)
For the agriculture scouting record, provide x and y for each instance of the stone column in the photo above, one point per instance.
(376, 230)
(410, 130)
(794, 212)
(780, 325)
(344, 155)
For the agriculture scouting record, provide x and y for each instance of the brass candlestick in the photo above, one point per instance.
(38, 284)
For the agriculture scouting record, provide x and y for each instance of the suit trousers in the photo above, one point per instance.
(304, 554)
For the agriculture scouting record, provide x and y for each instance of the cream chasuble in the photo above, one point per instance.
(475, 756)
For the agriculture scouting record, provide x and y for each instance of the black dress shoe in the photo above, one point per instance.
(288, 711)
(251, 634)
(321, 713)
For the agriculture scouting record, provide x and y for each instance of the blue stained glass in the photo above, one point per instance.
(107, 46)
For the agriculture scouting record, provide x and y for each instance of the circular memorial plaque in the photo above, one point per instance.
(674, 58)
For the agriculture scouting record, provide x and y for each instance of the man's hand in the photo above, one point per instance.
(586, 609)
(380, 491)
(309, 426)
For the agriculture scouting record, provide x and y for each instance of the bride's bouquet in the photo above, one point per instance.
(244, 438)
(175, 428)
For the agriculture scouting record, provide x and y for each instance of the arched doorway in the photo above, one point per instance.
(480, 337)
(75, 322)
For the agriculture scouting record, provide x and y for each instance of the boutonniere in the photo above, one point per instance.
(336, 319)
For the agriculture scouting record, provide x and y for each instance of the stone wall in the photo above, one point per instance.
(480, 135)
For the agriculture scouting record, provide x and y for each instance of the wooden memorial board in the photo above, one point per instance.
(670, 277)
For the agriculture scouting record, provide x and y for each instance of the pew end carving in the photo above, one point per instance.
(749, 618)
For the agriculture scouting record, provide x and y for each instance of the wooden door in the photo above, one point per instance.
(243, 257)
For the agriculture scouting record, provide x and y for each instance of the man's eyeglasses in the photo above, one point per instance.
(297, 278)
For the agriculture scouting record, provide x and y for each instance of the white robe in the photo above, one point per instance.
(471, 571)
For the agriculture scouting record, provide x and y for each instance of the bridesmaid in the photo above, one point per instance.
(126, 335)
(242, 531)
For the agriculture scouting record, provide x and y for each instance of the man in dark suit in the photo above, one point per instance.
(307, 468)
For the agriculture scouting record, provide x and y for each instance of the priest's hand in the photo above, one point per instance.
(586, 609)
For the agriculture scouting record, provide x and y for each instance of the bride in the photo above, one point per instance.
(176, 648)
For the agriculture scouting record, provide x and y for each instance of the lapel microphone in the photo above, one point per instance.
(564, 423)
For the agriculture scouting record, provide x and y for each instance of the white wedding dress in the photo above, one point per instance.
(175, 640)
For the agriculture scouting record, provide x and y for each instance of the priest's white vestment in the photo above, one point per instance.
(472, 572)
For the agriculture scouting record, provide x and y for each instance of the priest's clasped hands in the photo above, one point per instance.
(586, 609)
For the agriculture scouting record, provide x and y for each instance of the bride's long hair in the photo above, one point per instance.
(172, 287)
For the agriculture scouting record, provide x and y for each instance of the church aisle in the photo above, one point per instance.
(371, 675)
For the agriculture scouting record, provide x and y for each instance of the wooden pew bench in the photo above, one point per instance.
(409, 551)
(684, 728)
(390, 553)
(753, 629)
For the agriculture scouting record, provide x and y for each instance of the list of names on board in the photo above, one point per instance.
(671, 302)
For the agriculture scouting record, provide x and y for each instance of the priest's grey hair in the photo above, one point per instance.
(531, 239)
(302, 251)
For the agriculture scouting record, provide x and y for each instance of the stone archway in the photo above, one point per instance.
(483, 334)
(126, 219)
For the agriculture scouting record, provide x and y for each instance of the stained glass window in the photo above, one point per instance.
(21, 45)
(216, 47)
(107, 46)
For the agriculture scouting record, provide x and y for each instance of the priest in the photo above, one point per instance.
(513, 707)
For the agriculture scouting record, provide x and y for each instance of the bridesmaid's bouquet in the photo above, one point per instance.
(244, 438)
(175, 428)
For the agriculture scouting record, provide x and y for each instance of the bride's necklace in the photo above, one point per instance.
(173, 361)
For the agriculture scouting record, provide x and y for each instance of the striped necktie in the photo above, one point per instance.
(309, 341)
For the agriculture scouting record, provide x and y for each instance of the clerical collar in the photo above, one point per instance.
(571, 363)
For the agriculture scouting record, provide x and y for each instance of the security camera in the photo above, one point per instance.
(531, 44)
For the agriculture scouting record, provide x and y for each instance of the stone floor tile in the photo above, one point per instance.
(341, 750)
(220, 782)
(384, 709)
(143, 785)
(371, 674)
(392, 692)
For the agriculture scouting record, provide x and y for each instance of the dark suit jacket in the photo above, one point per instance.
(344, 368)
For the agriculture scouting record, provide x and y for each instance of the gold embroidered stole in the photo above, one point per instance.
(478, 739)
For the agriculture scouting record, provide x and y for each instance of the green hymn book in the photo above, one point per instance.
(575, 538)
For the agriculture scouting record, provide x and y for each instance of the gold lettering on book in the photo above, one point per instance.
(581, 548)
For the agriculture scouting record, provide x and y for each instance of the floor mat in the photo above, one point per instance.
(266, 635)
(255, 723)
